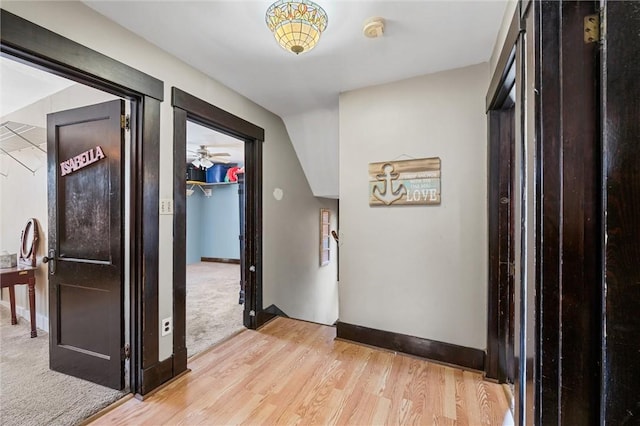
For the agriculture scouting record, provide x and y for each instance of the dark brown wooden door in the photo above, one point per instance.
(85, 172)
(620, 79)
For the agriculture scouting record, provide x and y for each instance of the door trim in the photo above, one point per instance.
(497, 361)
(188, 107)
(501, 196)
(568, 284)
(496, 94)
(37, 46)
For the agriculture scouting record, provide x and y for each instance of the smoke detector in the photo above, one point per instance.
(373, 27)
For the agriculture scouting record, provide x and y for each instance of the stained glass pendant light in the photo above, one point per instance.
(296, 24)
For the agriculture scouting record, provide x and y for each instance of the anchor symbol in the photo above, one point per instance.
(389, 195)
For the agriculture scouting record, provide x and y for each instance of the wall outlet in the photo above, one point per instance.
(166, 206)
(167, 326)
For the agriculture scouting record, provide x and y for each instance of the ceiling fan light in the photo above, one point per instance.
(296, 24)
(196, 162)
(206, 163)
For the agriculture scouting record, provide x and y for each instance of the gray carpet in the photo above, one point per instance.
(30, 393)
(213, 312)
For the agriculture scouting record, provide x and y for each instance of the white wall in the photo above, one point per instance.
(14, 216)
(24, 195)
(314, 135)
(417, 270)
(287, 262)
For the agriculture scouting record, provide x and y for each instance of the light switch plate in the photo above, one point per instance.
(166, 326)
(166, 206)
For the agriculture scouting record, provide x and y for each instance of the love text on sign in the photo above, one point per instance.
(406, 182)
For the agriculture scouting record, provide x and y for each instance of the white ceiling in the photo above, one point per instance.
(229, 41)
(22, 85)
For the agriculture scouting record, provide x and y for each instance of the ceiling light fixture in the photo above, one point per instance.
(296, 24)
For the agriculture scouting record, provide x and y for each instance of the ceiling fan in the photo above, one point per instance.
(206, 159)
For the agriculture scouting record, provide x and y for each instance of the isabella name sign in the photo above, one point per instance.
(81, 160)
(407, 182)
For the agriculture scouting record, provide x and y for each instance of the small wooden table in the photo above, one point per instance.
(10, 277)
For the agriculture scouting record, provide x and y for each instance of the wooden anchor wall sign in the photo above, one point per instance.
(407, 182)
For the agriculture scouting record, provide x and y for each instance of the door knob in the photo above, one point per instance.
(51, 259)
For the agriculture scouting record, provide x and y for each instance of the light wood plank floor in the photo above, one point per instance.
(294, 372)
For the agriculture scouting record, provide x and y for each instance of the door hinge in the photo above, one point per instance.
(126, 352)
(125, 122)
(592, 28)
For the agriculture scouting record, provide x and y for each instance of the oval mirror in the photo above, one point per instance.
(29, 240)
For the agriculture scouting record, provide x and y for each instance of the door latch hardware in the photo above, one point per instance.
(126, 351)
(51, 259)
(592, 28)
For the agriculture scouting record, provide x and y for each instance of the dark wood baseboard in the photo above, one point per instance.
(179, 361)
(269, 313)
(156, 375)
(264, 317)
(461, 356)
(273, 309)
(219, 260)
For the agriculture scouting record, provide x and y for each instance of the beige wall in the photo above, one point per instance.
(288, 262)
(24, 195)
(417, 270)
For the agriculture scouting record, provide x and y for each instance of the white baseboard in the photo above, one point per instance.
(42, 322)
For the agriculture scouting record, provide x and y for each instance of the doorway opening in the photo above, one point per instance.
(36, 350)
(37, 46)
(214, 223)
(187, 108)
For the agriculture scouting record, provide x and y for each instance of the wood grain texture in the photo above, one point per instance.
(456, 355)
(179, 242)
(499, 359)
(295, 372)
(406, 182)
(148, 191)
(569, 285)
(497, 94)
(225, 122)
(621, 127)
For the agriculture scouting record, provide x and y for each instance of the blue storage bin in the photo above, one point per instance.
(217, 173)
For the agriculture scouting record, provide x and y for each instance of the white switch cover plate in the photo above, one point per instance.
(166, 206)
